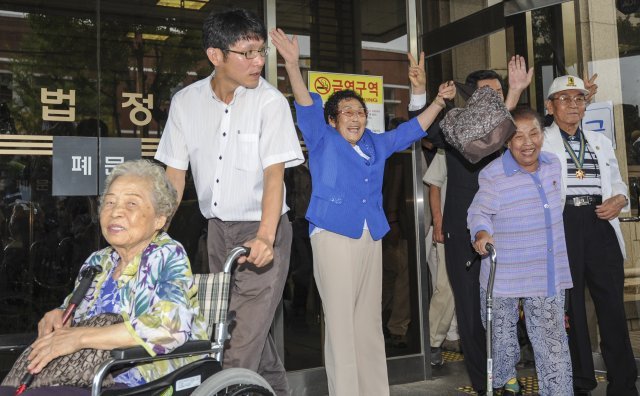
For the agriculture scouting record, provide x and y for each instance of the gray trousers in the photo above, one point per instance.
(255, 295)
(545, 325)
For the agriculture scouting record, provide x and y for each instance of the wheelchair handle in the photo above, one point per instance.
(235, 254)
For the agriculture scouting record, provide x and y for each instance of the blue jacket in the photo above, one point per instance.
(346, 188)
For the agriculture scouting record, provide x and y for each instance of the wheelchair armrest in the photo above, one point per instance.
(138, 352)
(16, 342)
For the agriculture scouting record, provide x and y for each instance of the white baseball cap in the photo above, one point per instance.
(565, 83)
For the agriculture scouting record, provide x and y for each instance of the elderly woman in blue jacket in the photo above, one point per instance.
(347, 221)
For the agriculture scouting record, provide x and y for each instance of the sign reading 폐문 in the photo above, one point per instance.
(78, 170)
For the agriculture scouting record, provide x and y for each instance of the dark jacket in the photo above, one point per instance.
(462, 182)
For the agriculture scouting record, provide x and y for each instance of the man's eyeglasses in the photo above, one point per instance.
(351, 113)
(251, 54)
(579, 100)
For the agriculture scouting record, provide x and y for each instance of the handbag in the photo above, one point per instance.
(76, 369)
(480, 128)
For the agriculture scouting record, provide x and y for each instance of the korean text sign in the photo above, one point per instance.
(369, 87)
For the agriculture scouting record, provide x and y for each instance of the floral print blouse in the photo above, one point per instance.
(157, 300)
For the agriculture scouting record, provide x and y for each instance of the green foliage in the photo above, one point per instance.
(629, 35)
(62, 53)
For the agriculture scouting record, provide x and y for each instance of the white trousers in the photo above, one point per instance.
(348, 273)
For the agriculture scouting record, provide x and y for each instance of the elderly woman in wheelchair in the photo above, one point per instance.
(145, 279)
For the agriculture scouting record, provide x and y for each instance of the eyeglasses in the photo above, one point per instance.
(579, 100)
(351, 113)
(251, 54)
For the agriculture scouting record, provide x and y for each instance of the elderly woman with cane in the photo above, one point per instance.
(518, 209)
(145, 279)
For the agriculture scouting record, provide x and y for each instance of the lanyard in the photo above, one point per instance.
(579, 159)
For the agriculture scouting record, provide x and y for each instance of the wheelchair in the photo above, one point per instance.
(203, 377)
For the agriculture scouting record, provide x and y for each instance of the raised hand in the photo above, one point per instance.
(417, 74)
(447, 90)
(590, 84)
(290, 52)
(287, 47)
(519, 77)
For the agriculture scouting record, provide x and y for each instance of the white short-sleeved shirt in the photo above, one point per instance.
(436, 174)
(229, 145)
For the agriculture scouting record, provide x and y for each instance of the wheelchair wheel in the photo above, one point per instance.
(234, 382)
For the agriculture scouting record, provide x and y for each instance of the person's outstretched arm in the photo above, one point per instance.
(519, 80)
(447, 90)
(290, 52)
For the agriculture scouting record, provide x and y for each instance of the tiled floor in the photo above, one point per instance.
(451, 380)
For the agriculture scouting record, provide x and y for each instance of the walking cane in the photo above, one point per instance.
(86, 279)
(492, 274)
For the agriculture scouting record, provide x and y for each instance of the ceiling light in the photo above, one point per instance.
(188, 4)
(148, 36)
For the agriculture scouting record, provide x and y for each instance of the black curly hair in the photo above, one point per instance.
(331, 106)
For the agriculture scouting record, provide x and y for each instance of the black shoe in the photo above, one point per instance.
(398, 341)
(581, 392)
(436, 356)
(452, 346)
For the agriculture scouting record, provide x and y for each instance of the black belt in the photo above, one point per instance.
(583, 200)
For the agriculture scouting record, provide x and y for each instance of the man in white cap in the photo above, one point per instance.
(594, 194)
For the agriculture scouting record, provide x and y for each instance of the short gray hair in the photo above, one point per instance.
(164, 195)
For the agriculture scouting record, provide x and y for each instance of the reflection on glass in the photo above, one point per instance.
(629, 50)
(302, 304)
(438, 13)
(545, 57)
(399, 319)
(44, 239)
(62, 82)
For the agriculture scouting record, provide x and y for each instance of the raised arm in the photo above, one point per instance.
(290, 52)
(417, 74)
(446, 90)
(519, 80)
